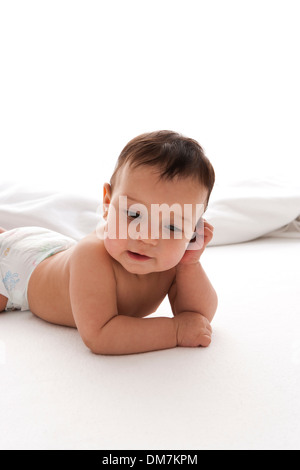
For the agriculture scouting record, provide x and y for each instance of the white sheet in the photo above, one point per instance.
(239, 212)
(70, 214)
(240, 393)
(253, 208)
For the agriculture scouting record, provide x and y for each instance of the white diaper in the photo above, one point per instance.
(21, 250)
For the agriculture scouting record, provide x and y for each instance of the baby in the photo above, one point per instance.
(105, 284)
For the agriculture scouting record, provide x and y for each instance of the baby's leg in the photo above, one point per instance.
(3, 302)
(2, 230)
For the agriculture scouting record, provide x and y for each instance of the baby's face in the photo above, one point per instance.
(150, 221)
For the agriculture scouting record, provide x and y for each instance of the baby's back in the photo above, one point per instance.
(48, 290)
(21, 252)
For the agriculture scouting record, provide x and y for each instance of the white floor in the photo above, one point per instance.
(240, 393)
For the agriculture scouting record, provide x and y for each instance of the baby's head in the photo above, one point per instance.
(171, 154)
(155, 172)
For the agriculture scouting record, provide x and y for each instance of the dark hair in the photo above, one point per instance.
(172, 153)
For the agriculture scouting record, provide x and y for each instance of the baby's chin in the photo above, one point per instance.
(137, 267)
(140, 272)
(142, 269)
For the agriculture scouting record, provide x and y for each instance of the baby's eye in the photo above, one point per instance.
(133, 215)
(172, 228)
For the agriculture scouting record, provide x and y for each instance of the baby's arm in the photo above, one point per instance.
(192, 291)
(129, 335)
(94, 306)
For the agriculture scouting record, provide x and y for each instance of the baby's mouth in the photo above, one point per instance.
(137, 256)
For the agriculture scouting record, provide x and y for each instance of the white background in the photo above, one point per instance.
(80, 78)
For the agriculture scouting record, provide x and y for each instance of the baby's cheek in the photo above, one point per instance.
(173, 255)
(113, 247)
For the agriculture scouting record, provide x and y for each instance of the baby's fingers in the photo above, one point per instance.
(208, 234)
(206, 333)
(206, 224)
(205, 341)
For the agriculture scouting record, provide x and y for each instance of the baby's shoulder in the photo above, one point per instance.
(90, 251)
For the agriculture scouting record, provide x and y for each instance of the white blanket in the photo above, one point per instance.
(250, 209)
(70, 214)
(239, 212)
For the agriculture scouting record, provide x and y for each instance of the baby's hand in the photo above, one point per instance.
(203, 235)
(193, 330)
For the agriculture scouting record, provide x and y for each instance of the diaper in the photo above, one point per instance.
(21, 250)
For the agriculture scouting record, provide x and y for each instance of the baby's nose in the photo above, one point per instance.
(151, 240)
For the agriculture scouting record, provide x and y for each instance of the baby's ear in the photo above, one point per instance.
(106, 198)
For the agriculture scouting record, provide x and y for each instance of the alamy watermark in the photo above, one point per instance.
(165, 222)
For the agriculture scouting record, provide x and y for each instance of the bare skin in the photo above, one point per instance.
(52, 277)
(99, 288)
